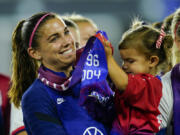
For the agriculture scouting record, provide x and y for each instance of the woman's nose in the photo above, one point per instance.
(66, 41)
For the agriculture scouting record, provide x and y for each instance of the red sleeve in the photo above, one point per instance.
(18, 130)
(4, 87)
(143, 91)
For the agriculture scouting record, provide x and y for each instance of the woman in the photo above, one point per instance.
(87, 27)
(49, 105)
(169, 104)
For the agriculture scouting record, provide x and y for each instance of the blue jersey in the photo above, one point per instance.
(39, 112)
(47, 111)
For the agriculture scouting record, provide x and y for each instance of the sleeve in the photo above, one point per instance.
(16, 120)
(143, 91)
(40, 115)
(166, 103)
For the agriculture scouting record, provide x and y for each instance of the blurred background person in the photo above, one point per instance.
(4, 105)
(86, 27)
(74, 29)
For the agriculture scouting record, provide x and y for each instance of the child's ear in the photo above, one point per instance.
(154, 60)
(34, 53)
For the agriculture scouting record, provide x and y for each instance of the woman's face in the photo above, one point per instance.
(177, 41)
(86, 31)
(76, 36)
(57, 50)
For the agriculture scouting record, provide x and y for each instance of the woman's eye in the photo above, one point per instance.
(53, 39)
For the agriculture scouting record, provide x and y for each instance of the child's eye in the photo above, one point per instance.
(130, 61)
(66, 32)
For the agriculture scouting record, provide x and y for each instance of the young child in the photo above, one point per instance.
(138, 92)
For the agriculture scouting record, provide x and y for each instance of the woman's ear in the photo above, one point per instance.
(154, 60)
(34, 53)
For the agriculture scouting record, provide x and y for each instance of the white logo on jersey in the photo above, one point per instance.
(60, 100)
(92, 131)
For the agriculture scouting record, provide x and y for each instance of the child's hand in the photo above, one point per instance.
(107, 48)
(107, 45)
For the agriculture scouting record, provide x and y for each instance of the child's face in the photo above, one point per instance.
(134, 62)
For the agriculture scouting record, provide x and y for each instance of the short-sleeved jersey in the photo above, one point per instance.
(137, 106)
(4, 102)
(166, 103)
(16, 120)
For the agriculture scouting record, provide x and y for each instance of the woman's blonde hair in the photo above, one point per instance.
(77, 18)
(175, 30)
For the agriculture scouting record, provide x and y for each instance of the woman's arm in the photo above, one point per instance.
(16, 121)
(22, 133)
(40, 113)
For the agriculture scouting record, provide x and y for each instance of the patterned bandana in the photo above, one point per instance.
(52, 80)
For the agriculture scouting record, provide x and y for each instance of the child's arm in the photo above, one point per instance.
(117, 75)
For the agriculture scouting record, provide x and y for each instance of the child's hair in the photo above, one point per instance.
(143, 38)
(166, 23)
(24, 68)
(79, 18)
(157, 25)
